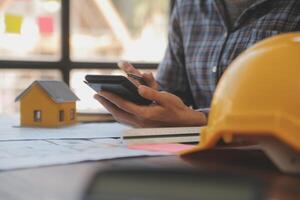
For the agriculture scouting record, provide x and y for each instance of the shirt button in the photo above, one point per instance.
(214, 69)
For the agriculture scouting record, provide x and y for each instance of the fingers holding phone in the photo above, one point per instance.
(137, 77)
(168, 110)
(150, 80)
(141, 106)
(128, 68)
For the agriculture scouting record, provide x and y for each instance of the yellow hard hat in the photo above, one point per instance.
(258, 97)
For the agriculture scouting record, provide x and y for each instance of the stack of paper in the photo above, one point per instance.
(161, 135)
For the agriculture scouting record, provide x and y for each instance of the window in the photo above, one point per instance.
(111, 30)
(30, 30)
(37, 115)
(61, 115)
(56, 39)
(72, 114)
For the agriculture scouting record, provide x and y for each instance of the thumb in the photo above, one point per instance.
(153, 95)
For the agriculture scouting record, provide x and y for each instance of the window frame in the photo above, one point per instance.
(65, 64)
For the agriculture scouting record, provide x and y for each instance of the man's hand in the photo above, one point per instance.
(148, 77)
(167, 109)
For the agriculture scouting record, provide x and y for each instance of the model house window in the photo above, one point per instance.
(72, 114)
(37, 115)
(61, 115)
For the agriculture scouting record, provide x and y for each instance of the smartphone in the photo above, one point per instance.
(119, 85)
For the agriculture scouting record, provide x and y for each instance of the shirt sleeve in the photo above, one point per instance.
(171, 75)
(204, 110)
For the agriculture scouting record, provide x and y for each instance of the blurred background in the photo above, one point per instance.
(67, 39)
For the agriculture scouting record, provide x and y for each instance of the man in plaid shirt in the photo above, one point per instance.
(204, 37)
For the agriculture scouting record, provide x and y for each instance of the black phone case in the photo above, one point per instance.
(119, 85)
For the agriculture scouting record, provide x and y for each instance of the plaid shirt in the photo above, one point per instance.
(202, 43)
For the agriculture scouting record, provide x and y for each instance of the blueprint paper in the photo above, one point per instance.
(9, 130)
(27, 154)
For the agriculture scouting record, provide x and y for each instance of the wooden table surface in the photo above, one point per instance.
(67, 182)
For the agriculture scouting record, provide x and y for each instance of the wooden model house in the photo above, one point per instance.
(47, 104)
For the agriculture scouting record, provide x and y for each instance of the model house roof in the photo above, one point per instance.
(57, 90)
